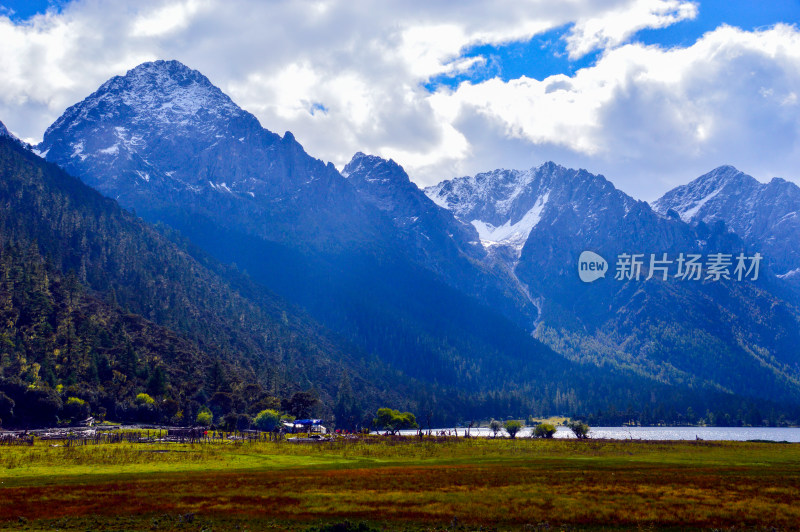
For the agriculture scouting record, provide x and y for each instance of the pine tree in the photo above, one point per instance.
(129, 362)
(157, 385)
(217, 380)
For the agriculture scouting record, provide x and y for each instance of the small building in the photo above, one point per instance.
(312, 426)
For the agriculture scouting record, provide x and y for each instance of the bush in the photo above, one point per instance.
(580, 429)
(144, 399)
(204, 417)
(267, 420)
(512, 427)
(544, 430)
(144, 409)
(496, 427)
(394, 420)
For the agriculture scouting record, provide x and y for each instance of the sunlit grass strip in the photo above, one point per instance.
(480, 482)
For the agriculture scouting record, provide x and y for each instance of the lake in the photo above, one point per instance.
(657, 433)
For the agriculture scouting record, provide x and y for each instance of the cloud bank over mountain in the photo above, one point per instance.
(353, 76)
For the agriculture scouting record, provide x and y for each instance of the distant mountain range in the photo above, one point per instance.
(692, 333)
(468, 290)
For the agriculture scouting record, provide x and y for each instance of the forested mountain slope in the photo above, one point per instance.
(116, 269)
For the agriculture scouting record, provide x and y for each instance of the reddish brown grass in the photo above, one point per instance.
(506, 495)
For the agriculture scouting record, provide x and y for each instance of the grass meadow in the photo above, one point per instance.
(401, 484)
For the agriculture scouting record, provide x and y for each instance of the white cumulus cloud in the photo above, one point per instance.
(615, 26)
(652, 118)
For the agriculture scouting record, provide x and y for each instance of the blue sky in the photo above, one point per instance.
(20, 10)
(546, 54)
(650, 93)
(538, 58)
(745, 14)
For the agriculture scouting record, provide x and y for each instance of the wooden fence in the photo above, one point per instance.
(71, 438)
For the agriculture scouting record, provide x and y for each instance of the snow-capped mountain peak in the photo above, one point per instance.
(3, 131)
(162, 139)
(153, 94)
(374, 168)
(765, 215)
(690, 201)
(152, 128)
(506, 205)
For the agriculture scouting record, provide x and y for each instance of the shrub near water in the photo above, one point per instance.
(544, 430)
(512, 427)
(580, 429)
(394, 420)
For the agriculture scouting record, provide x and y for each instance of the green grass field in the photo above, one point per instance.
(455, 484)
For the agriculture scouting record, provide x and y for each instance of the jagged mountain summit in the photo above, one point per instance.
(4, 132)
(162, 138)
(387, 186)
(765, 215)
(437, 240)
(154, 101)
(505, 206)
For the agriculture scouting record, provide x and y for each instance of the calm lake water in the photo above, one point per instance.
(660, 433)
